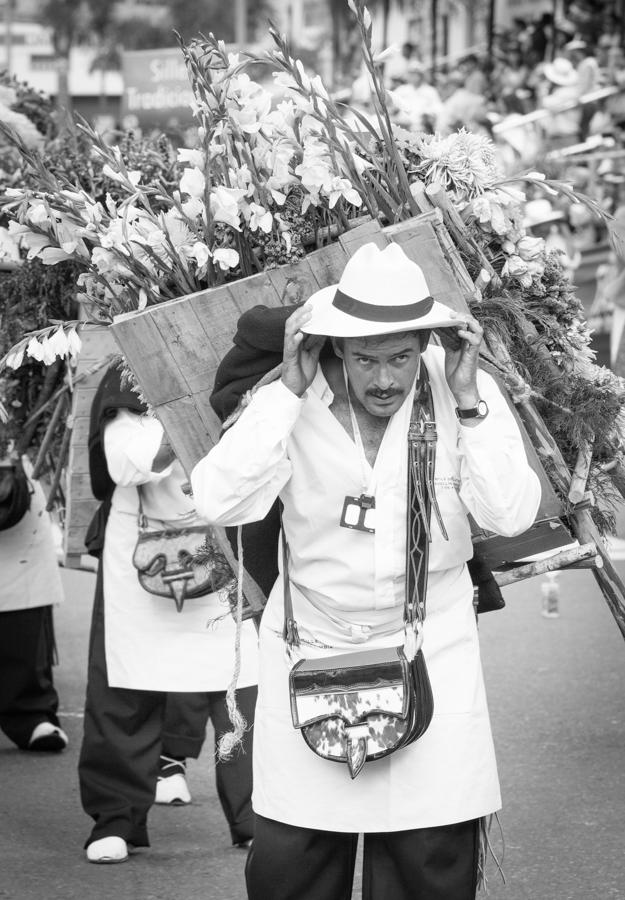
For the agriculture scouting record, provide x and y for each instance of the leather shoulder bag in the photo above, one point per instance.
(364, 705)
(17, 494)
(163, 558)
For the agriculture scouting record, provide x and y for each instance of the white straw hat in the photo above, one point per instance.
(380, 292)
(561, 71)
(539, 212)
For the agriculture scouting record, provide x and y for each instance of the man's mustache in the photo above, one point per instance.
(383, 395)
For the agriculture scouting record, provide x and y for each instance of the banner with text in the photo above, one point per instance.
(156, 89)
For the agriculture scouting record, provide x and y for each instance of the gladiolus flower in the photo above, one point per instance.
(226, 258)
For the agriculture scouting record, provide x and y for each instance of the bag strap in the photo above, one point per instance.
(422, 437)
(142, 519)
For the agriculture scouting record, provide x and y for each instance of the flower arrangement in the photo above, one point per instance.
(276, 172)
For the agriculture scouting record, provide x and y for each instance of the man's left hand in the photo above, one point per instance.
(461, 364)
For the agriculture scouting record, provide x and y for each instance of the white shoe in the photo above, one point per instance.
(48, 738)
(108, 850)
(173, 790)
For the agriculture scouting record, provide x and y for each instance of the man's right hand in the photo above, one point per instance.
(301, 352)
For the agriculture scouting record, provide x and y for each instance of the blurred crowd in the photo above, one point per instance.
(551, 96)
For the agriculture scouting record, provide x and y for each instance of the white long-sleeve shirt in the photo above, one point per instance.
(296, 448)
(348, 591)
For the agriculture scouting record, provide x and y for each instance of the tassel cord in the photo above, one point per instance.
(231, 740)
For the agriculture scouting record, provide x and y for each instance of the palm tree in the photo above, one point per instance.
(103, 25)
(63, 18)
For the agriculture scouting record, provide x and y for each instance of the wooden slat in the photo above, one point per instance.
(183, 333)
(83, 397)
(420, 244)
(96, 342)
(254, 291)
(82, 513)
(78, 459)
(80, 432)
(327, 264)
(153, 362)
(218, 313)
(295, 283)
(207, 414)
(186, 431)
(370, 232)
(79, 486)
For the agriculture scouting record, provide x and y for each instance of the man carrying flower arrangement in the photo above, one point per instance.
(349, 441)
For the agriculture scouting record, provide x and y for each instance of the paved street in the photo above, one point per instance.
(558, 709)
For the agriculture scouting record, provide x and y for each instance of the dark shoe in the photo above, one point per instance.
(47, 738)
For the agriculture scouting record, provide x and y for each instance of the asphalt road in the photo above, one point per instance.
(557, 698)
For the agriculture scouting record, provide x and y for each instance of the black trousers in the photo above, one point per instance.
(27, 693)
(122, 741)
(291, 863)
(184, 728)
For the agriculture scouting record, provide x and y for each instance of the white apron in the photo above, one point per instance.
(347, 588)
(149, 644)
(29, 569)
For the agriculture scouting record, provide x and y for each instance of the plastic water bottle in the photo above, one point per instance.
(550, 590)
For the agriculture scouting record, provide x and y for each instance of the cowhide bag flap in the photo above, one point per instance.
(163, 559)
(361, 706)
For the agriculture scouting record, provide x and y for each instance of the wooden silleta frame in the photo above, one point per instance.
(175, 348)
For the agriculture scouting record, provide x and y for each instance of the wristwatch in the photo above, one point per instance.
(474, 412)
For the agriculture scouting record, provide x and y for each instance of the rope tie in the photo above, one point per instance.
(229, 741)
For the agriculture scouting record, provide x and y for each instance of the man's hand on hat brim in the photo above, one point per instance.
(461, 364)
(301, 352)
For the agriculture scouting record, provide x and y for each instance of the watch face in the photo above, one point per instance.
(482, 409)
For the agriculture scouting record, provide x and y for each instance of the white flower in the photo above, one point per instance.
(284, 80)
(194, 158)
(134, 176)
(48, 354)
(366, 16)
(390, 53)
(34, 349)
(73, 342)
(38, 214)
(530, 248)
(224, 204)
(515, 267)
(226, 258)
(200, 253)
(194, 208)
(57, 344)
(35, 243)
(306, 83)
(342, 187)
(14, 360)
(241, 177)
(319, 88)
(50, 256)
(193, 182)
(260, 218)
